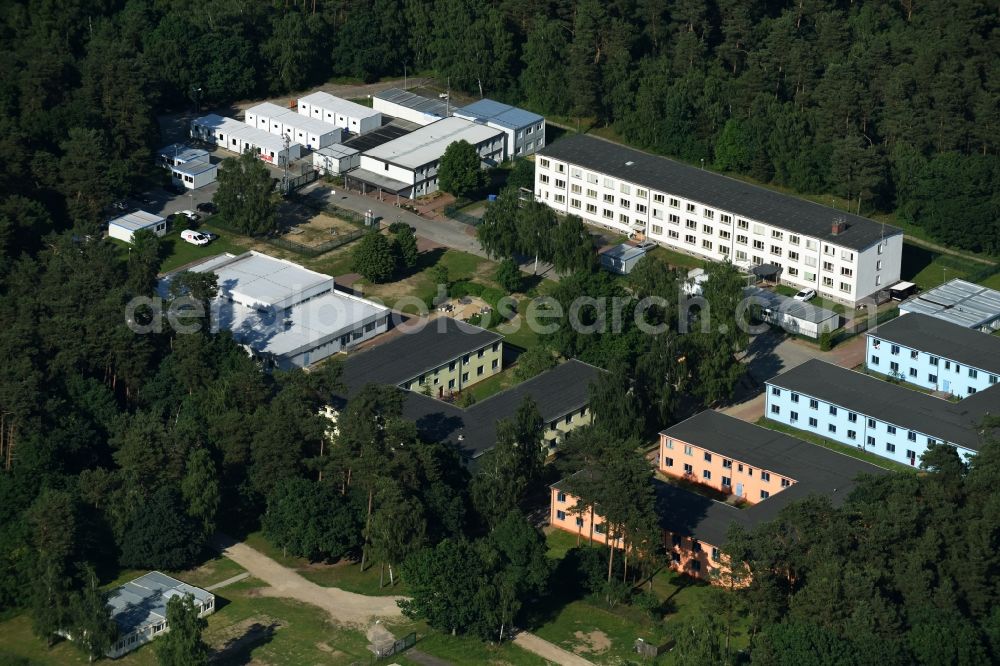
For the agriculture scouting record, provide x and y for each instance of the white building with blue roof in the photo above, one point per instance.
(525, 130)
(139, 608)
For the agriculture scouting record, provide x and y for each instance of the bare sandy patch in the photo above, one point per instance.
(596, 642)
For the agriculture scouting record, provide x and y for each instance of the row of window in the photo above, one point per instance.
(793, 417)
(726, 464)
(673, 202)
(932, 360)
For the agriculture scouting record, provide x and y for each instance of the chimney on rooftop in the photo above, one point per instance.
(839, 226)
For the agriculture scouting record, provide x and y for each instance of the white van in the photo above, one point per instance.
(194, 237)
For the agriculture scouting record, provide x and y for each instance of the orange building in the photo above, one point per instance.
(759, 469)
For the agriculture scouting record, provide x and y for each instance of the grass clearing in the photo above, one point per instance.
(462, 649)
(993, 281)
(876, 460)
(492, 385)
(419, 283)
(177, 252)
(520, 331)
(676, 259)
(346, 575)
(605, 635)
(258, 629)
(927, 268)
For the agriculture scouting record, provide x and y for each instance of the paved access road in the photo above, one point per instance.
(446, 232)
(343, 607)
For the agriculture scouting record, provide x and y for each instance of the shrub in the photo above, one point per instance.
(508, 276)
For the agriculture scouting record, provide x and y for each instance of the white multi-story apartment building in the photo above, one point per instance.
(842, 256)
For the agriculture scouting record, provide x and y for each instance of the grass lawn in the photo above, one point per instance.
(335, 262)
(927, 268)
(345, 575)
(606, 636)
(598, 634)
(677, 259)
(419, 284)
(519, 331)
(177, 253)
(993, 281)
(560, 542)
(275, 631)
(462, 649)
(835, 446)
(493, 385)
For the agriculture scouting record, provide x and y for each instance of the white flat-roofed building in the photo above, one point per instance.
(958, 302)
(267, 116)
(408, 166)
(844, 257)
(408, 106)
(336, 159)
(178, 153)
(351, 116)
(238, 137)
(125, 226)
(193, 175)
(285, 314)
(525, 130)
(306, 130)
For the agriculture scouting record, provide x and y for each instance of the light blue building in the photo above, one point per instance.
(874, 415)
(934, 354)
(525, 130)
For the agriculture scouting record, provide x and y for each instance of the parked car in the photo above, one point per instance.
(208, 207)
(209, 235)
(194, 237)
(189, 214)
(805, 295)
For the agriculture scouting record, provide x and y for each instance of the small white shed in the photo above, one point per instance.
(124, 227)
(193, 175)
(336, 159)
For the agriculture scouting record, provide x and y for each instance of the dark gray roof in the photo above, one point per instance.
(415, 350)
(942, 338)
(376, 137)
(415, 102)
(954, 422)
(717, 191)
(816, 471)
(557, 392)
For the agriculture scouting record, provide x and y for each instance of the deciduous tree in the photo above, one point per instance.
(460, 171)
(246, 197)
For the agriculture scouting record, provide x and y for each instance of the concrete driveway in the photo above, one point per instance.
(772, 353)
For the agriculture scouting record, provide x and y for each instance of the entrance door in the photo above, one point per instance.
(947, 385)
(739, 490)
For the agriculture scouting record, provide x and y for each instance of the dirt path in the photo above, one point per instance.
(549, 651)
(344, 607)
